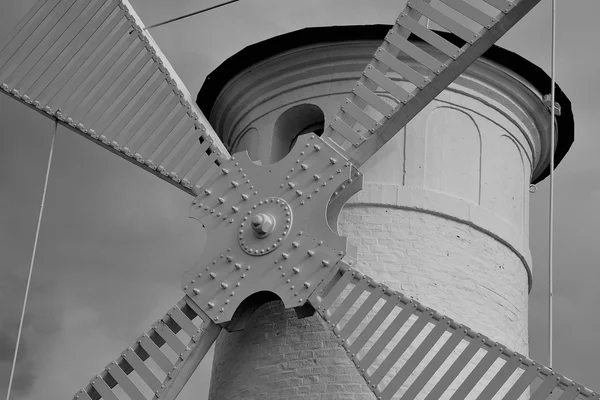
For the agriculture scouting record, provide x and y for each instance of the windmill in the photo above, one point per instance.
(176, 146)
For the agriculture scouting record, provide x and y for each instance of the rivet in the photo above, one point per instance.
(221, 200)
(227, 301)
(306, 285)
(196, 291)
(332, 160)
(224, 285)
(213, 275)
(292, 288)
(199, 275)
(234, 208)
(225, 171)
(285, 255)
(247, 267)
(310, 253)
(301, 153)
(295, 244)
(291, 185)
(320, 243)
(283, 274)
(185, 288)
(221, 310)
(317, 189)
(296, 270)
(325, 263)
(304, 166)
(244, 196)
(238, 266)
(229, 258)
(324, 184)
(317, 147)
(231, 293)
(211, 304)
(298, 192)
(243, 276)
(237, 284)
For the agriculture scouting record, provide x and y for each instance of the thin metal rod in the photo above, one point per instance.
(37, 234)
(190, 15)
(551, 223)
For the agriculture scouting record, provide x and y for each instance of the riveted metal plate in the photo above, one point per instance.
(267, 228)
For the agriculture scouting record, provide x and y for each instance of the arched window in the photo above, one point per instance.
(296, 121)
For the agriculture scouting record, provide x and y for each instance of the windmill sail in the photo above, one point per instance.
(407, 351)
(90, 65)
(163, 358)
(359, 131)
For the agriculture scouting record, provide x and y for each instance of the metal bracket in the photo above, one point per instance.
(548, 101)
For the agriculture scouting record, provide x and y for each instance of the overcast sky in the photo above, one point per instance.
(116, 240)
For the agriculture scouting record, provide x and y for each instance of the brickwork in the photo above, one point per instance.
(452, 267)
(280, 357)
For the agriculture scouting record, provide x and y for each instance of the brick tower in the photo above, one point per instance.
(444, 211)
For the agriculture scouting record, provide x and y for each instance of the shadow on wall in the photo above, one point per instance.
(296, 121)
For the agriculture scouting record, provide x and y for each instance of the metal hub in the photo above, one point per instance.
(265, 226)
(268, 227)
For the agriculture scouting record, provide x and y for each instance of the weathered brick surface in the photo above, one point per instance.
(279, 356)
(446, 265)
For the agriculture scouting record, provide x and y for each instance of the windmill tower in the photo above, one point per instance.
(442, 215)
(90, 66)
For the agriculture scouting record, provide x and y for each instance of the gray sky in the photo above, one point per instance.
(115, 240)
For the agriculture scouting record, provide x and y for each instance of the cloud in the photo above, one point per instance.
(40, 327)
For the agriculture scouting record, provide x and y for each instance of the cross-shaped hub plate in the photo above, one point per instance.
(267, 229)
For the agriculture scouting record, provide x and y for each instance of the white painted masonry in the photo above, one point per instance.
(443, 215)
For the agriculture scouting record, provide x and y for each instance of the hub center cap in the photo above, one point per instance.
(265, 226)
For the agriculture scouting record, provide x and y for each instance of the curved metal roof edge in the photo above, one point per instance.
(260, 51)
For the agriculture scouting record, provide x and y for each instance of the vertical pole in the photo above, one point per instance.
(35, 242)
(551, 223)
